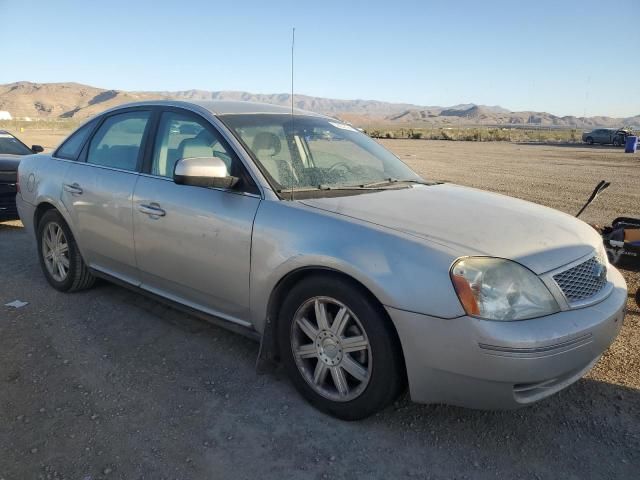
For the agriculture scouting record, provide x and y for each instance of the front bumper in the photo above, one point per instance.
(8, 209)
(499, 365)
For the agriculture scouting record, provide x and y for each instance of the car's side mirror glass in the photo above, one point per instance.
(37, 149)
(203, 172)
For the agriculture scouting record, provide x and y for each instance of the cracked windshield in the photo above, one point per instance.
(305, 152)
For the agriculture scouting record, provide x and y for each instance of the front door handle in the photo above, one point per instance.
(73, 189)
(152, 209)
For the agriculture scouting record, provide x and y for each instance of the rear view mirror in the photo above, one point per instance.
(37, 149)
(203, 172)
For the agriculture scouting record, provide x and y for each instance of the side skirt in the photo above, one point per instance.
(218, 322)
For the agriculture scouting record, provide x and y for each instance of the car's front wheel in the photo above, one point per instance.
(590, 140)
(338, 347)
(60, 259)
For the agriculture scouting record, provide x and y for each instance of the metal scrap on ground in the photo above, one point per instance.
(16, 304)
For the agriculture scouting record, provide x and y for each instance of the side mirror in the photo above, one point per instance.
(37, 149)
(203, 172)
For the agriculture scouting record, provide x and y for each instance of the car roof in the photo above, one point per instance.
(221, 107)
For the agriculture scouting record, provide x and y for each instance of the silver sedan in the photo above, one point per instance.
(355, 273)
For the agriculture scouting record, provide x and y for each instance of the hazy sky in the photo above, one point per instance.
(563, 56)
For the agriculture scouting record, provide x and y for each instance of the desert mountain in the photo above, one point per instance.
(73, 100)
(480, 115)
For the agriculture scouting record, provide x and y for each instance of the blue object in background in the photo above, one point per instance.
(632, 144)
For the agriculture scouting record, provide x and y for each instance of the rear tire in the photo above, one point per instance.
(60, 259)
(348, 365)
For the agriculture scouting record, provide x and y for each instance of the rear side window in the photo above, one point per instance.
(71, 148)
(117, 142)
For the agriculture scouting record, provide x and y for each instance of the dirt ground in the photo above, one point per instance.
(107, 384)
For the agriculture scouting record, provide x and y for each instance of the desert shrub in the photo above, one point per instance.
(446, 134)
(483, 134)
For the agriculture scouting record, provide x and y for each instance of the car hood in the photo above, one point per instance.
(473, 222)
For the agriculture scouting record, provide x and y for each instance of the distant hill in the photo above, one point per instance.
(77, 101)
(481, 115)
(73, 100)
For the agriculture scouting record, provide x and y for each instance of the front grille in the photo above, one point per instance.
(582, 281)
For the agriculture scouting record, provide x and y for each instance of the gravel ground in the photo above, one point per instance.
(108, 384)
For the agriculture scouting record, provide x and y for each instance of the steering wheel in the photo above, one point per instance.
(340, 164)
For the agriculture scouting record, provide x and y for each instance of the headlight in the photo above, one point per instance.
(498, 289)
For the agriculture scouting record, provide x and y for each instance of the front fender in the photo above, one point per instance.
(402, 271)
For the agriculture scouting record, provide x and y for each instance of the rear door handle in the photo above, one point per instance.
(152, 209)
(73, 189)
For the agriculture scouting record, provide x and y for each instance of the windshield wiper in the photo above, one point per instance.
(392, 181)
(378, 185)
(323, 187)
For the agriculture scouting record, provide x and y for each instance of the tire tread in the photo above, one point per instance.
(390, 377)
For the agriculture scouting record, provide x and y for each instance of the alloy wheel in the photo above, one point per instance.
(331, 349)
(55, 251)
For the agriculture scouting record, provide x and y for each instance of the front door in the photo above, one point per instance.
(98, 194)
(193, 244)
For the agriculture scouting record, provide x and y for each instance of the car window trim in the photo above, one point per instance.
(218, 189)
(143, 143)
(148, 160)
(97, 121)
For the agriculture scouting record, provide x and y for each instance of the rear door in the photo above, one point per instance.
(193, 244)
(98, 192)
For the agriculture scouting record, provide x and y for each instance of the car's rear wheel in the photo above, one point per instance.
(60, 259)
(338, 347)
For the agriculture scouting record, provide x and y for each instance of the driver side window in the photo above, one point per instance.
(184, 136)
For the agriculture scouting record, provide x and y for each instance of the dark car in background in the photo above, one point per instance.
(11, 151)
(606, 136)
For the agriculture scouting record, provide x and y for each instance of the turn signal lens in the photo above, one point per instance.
(465, 294)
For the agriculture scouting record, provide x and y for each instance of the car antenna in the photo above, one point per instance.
(293, 44)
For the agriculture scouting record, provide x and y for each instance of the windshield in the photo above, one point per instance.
(306, 152)
(12, 146)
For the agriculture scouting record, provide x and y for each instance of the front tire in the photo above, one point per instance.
(589, 141)
(60, 259)
(339, 348)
